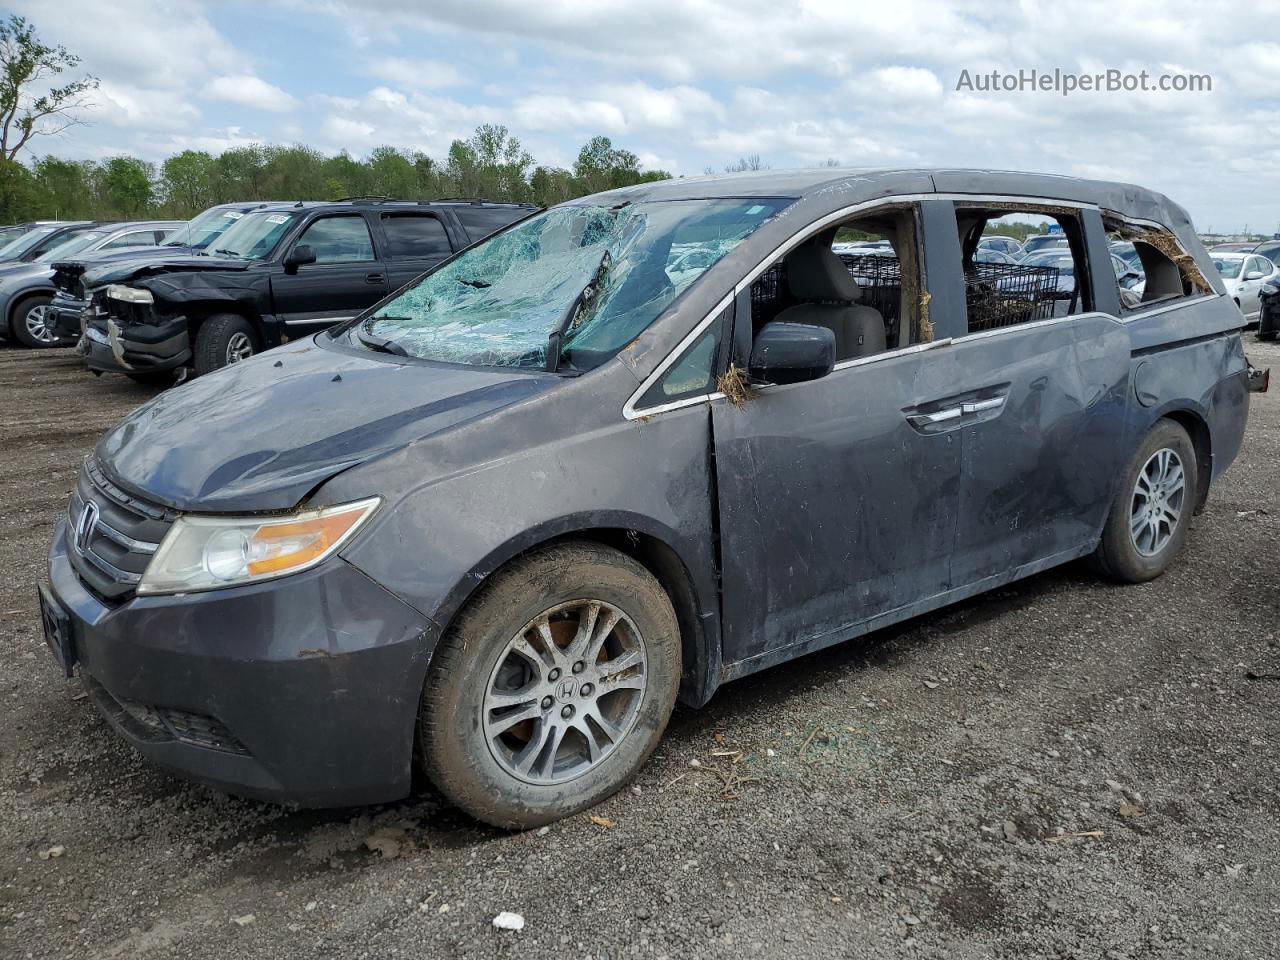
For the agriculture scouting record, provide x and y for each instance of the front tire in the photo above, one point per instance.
(1151, 515)
(223, 339)
(552, 687)
(30, 323)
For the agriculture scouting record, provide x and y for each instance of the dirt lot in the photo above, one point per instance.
(1062, 769)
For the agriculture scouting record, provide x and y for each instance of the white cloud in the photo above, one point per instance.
(249, 91)
(415, 74)
(687, 84)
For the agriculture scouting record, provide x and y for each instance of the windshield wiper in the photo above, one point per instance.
(229, 253)
(375, 342)
(555, 339)
(478, 284)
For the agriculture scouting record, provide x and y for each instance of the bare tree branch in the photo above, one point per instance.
(27, 63)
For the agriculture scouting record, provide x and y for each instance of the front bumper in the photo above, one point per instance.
(63, 315)
(300, 690)
(137, 348)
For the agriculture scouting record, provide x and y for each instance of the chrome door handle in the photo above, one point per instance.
(977, 406)
(939, 416)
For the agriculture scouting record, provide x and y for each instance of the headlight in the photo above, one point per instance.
(204, 553)
(1270, 288)
(118, 291)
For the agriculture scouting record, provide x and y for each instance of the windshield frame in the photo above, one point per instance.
(341, 334)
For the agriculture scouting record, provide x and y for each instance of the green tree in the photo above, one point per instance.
(345, 177)
(189, 181)
(392, 174)
(602, 166)
(26, 62)
(19, 198)
(241, 173)
(65, 187)
(127, 181)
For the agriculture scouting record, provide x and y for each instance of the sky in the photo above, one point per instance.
(692, 84)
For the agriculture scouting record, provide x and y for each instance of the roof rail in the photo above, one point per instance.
(371, 199)
(506, 203)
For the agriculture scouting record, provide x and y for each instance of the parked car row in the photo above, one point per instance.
(238, 279)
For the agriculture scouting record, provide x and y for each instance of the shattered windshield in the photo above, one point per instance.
(569, 287)
(253, 237)
(204, 229)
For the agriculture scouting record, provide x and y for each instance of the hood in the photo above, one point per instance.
(17, 272)
(262, 434)
(135, 268)
(66, 273)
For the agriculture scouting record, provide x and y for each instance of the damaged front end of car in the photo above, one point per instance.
(140, 320)
(126, 330)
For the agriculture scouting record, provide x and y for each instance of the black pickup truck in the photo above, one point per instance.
(282, 271)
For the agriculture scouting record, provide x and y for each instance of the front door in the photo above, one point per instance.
(837, 501)
(346, 278)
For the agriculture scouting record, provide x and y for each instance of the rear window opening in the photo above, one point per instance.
(881, 309)
(1168, 272)
(1049, 279)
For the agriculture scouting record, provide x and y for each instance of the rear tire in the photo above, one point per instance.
(493, 665)
(222, 339)
(29, 324)
(1151, 515)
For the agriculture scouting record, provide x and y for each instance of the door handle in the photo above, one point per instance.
(938, 416)
(977, 406)
(946, 414)
(374, 278)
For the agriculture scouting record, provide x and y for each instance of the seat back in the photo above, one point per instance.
(819, 277)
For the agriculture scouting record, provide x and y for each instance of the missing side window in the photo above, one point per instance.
(1157, 268)
(860, 279)
(1021, 264)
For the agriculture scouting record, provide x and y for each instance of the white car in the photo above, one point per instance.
(1243, 274)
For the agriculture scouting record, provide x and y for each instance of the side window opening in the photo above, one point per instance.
(1165, 271)
(859, 279)
(1049, 279)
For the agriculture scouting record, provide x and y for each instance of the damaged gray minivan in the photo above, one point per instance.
(624, 451)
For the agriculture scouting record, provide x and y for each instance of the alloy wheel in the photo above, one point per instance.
(1157, 502)
(239, 347)
(37, 324)
(565, 692)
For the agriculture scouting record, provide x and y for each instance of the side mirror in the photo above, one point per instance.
(792, 353)
(1254, 275)
(299, 256)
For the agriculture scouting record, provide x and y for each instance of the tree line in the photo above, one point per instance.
(491, 164)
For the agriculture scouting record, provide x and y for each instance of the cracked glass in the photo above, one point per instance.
(577, 281)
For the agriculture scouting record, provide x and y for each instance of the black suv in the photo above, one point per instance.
(282, 271)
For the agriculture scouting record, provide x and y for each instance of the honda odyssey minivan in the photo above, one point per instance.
(622, 452)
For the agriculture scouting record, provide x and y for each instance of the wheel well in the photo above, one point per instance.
(18, 301)
(198, 313)
(1198, 430)
(699, 653)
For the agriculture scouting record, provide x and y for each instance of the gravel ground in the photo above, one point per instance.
(1061, 769)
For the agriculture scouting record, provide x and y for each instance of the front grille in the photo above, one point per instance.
(111, 552)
